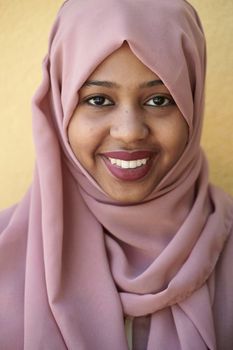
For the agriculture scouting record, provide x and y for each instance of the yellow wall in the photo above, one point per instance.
(24, 29)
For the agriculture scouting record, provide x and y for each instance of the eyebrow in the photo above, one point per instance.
(110, 84)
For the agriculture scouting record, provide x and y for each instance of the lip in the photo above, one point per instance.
(129, 174)
(129, 155)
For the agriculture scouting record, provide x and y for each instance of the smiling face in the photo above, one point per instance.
(126, 131)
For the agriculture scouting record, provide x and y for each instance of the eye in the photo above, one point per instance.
(99, 101)
(160, 101)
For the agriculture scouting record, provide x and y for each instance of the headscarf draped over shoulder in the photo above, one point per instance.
(74, 262)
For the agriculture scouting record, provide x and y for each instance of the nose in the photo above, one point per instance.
(129, 126)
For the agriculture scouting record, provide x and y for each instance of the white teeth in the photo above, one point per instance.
(124, 164)
(113, 161)
(128, 164)
(133, 164)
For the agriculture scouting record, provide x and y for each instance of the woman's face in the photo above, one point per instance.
(126, 131)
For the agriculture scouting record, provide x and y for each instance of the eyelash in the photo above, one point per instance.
(169, 102)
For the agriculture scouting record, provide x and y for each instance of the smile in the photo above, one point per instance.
(128, 164)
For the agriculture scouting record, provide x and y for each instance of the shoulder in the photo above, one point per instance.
(16, 216)
(5, 216)
(224, 269)
(223, 296)
(223, 273)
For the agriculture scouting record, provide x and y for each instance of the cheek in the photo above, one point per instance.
(84, 137)
(174, 135)
(179, 137)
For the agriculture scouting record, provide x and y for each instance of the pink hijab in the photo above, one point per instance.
(73, 261)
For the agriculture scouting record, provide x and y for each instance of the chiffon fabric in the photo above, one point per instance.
(73, 261)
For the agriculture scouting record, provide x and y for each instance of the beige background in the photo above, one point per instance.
(24, 30)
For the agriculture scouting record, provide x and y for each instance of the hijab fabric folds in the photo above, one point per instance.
(73, 261)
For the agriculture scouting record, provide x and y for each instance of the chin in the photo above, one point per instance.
(128, 196)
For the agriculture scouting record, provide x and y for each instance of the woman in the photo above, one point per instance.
(120, 242)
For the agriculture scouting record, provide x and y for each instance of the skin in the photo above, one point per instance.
(126, 116)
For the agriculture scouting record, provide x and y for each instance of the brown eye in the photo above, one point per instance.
(99, 101)
(160, 101)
